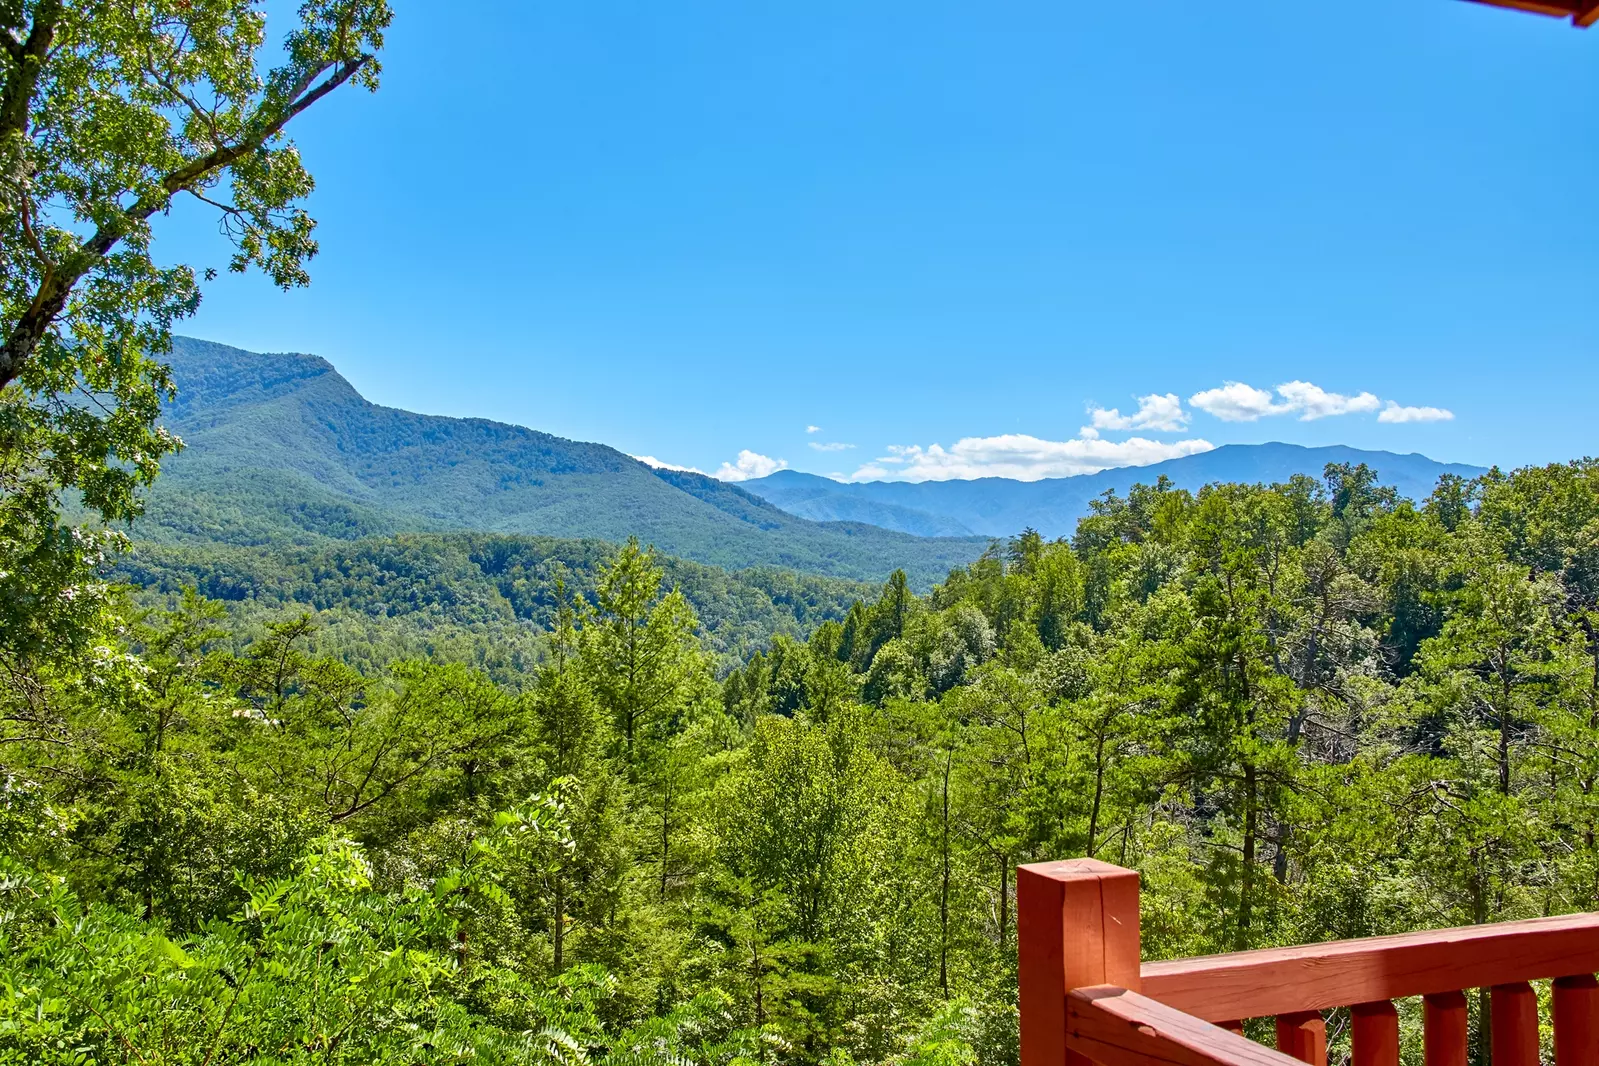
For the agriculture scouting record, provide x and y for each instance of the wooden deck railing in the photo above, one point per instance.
(1087, 996)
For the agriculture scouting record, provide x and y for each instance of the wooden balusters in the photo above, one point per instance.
(1576, 1016)
(1514, 1025)
(1088, 1000)
(1303, 1036)
(1443, 1021)
(1374, 1034)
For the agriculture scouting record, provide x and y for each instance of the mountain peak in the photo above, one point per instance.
(281, 446)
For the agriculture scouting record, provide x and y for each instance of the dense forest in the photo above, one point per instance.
(481, 599)
(1302, 711)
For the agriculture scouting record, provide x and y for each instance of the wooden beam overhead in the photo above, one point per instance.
(1582, 13)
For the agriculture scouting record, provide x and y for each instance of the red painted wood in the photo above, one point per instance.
(1444, 1020)
(1514, 1025)
(1374, 1034)
(1076, 925)
(1560, 8)
(1040, 970)
(1254, 984)
(1114, 1027)
(1303, 1036)
(1576, 1015)
(1232, 1025)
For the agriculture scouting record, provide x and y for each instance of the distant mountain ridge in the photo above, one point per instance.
(282, 449)
(998, 507)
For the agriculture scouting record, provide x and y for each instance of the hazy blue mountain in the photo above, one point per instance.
(281, 449)
(819, 499)
(1001, 506)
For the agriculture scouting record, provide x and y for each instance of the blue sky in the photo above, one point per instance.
(946, 233)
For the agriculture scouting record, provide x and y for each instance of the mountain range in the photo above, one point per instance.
(1000, 507)
(280, 449)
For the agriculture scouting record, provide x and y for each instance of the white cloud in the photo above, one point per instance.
(1312, 402)
(650, 460)
(830, 446)
(1395, 413)
(1016, 455)
(750, 464)
(1237, 402)
(813, 429)
(1156, 411)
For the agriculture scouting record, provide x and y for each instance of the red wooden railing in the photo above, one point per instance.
(1087, 996)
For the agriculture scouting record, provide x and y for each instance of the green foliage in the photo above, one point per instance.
(316, 966)
(468, 597)
(1301, 711)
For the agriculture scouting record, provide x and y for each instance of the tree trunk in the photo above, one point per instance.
(1099, 792)
(943, 895)
(1004, 899)
(1504, 741)
(756, 975)
(1246, 893)
(1593, 724)
(558, 932)
(666, 830)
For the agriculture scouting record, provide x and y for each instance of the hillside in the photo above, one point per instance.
(999, 507)
(282, 449)
(481, 598)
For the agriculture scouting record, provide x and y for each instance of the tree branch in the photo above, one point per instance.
(208, 118)
(29, 58)
(52, 294)
(227, 209)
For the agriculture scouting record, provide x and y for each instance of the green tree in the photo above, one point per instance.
(805, 839)
(109, 113)
(638, 648)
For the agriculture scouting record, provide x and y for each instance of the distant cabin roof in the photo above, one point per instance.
(1582, 13)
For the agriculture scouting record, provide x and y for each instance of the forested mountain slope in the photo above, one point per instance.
(999, 507)
(486, 599)
(1301, 712)
(280, 448)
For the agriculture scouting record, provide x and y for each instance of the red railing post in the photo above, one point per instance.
(1374, 1035)
(1576, 1016)
(1444, 1023)
(1303, 1036)
(1076, 925)
(1513, 1024)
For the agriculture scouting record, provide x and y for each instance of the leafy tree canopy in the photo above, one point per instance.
(110, 113)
